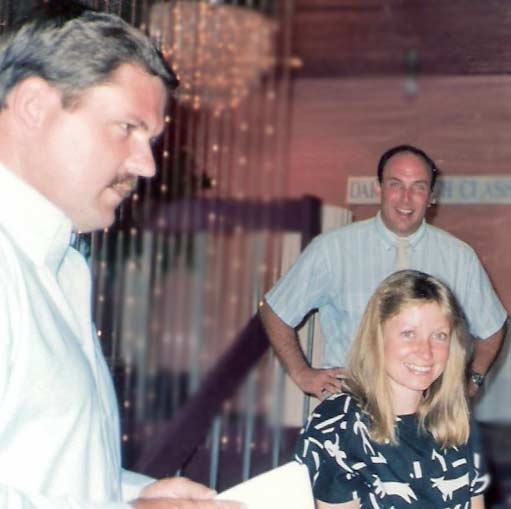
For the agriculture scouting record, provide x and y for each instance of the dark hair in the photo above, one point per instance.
(391, 152)
(73, 48)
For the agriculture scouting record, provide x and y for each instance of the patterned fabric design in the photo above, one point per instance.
(345, 464)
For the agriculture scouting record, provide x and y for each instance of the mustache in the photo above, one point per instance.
(125, 185)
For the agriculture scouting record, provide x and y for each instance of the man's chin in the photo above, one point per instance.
(405, 228)
(105, 221)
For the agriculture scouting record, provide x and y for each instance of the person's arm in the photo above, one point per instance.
(180, 493)
(485, 352)
(353, 504)
(484, 313)
(284, 341)
(477, 502)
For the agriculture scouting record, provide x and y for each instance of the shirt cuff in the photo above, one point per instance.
(133, 483)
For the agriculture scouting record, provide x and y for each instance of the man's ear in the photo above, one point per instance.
(377, 188)
(433, 196)
(32, 100)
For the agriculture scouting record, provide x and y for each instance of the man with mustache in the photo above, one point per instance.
(82, 98)
(339, 271)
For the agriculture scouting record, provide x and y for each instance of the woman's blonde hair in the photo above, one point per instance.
(443, 410)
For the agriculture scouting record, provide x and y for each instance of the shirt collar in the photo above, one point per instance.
(40, 229)
(389, 238)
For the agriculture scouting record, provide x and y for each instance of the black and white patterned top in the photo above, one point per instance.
(345, 464)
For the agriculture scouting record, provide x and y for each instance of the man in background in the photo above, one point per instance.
(82, 98)
(340, 269)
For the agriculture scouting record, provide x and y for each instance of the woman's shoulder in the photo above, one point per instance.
(341, 406)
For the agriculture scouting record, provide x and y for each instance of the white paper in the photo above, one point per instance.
(285, 487)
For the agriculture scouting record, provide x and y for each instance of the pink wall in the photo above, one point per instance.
(340, 127)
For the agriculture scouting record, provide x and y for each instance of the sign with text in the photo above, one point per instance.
(472, 189)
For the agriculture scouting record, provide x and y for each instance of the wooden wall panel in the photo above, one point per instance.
(382, 37)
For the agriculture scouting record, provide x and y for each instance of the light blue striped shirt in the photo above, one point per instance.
(340, 269)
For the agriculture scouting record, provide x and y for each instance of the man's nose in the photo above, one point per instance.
(407, 193)
(141, 161)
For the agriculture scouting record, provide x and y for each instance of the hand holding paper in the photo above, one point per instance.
(285, 487)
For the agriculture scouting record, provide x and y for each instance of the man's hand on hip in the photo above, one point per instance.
(320, 382)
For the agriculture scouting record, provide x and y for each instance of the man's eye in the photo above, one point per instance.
(127, 127)
(408, 334)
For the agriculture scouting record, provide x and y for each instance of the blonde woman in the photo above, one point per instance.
(400, 434)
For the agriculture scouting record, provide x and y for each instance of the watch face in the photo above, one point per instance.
(477, 379)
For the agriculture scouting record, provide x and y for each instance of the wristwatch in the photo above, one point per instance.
(476, 378)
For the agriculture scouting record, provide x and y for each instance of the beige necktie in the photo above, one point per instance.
(401, 261)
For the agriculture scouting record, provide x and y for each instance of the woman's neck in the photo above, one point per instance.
(405, 403)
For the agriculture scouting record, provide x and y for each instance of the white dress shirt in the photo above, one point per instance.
(59, 424)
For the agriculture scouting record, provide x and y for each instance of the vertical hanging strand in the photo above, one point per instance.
(193, 256)
(144, 14)
(235, 265)
(147, 265)
(176, 331)
(266, 101)
(144, 337)
(166, 357)
(133, 11)
(270, 169)
(215, 441)
(249, 418)
(284, 93)
(246, 153)
(254, 159)
(240, 433)
(175, 346)
(215, 236)
(153, 363)
(208, 185)
(239, 266)
(228, 215)
(160, 365)
(162, 179)
(178, 240)
(269, 438)
(126, 377)
(101, 290)
(215, 329)
(117, 295)
(282, 82)
(181, 180)
(6, 12)
(174, 242)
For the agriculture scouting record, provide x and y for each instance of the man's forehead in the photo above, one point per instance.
(138, 93)
(407, 164)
